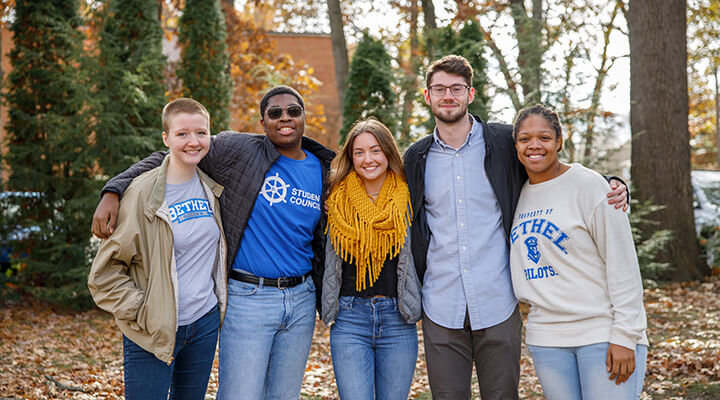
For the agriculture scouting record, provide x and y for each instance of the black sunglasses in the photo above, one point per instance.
(293, 111)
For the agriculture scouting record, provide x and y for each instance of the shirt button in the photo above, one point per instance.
(462, 224)
(459, 200)
(457, 155)
(458, 177)
(464, 248)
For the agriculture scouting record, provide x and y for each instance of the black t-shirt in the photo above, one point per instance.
(385, 285)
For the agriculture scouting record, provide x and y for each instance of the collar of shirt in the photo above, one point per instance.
(475, 130)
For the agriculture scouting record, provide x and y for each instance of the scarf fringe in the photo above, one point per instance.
(367, 233)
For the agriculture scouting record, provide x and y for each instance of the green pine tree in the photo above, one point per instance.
(468, 42)
(204, 69)
(48, 152)
(369, 90)
(129, 84)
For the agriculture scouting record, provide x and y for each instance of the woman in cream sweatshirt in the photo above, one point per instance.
(573, 260)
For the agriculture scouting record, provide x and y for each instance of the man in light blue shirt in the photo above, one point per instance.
(467, 253)
(465, 180)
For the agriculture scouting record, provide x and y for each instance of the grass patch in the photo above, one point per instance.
(704, 391)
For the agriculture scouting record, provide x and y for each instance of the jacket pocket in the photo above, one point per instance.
(141, 318)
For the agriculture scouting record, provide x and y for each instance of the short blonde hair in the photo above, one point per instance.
(182, 105)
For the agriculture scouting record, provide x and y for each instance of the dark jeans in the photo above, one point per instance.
(186, 377)
(495, 351)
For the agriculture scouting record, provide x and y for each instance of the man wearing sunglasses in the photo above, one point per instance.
(271, 213)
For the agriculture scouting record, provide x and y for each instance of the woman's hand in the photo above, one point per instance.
(620, 362)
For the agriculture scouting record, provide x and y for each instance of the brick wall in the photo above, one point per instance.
(315, 50)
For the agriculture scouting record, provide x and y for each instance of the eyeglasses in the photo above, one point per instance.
(456, 90)
(293, 111)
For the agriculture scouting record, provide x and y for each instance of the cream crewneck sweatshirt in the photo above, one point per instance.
(573, 260)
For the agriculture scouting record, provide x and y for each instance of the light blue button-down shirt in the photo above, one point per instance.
(468, 264)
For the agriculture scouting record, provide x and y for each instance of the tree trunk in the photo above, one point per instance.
(410, 78)
(659, 122)
(339, 46)
(428, 10)
(536, 68)
(606, 62)
(429, 14)
(717, 115)
(528, 31)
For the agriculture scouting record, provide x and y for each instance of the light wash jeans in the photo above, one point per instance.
(186, 378)
(265, 341)
(373, 350)
(580, 373)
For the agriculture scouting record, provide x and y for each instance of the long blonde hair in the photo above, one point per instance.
(342, 164)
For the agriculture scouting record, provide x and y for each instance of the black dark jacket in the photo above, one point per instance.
(505, 173)
(239, 162)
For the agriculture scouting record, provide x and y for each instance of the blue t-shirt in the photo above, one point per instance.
(277, 240)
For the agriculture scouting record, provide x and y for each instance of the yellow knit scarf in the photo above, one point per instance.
(367, 232)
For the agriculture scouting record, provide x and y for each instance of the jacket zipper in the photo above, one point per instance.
(172, 281)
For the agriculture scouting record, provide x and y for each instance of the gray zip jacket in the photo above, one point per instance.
(409, 291)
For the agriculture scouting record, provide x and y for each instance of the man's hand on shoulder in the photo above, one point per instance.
(618, 194)
(105, 217)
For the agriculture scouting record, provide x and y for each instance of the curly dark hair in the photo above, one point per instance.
(538, 109)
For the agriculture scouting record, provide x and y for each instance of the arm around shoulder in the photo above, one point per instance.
(120, 182)
(104, 218)
(225, 149)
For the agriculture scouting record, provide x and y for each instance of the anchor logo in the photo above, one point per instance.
(274, 189)
(533, 253)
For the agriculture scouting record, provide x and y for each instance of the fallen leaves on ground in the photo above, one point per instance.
(51, 354)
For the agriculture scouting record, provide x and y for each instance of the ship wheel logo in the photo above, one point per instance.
(274, 189)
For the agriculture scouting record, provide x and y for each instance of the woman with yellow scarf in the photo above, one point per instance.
(371, 291)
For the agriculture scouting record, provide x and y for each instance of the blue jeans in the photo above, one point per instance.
(265, 341)
(186, 377)
(373, 350)
(580, 373)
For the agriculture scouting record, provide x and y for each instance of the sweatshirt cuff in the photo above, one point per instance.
(621, 339)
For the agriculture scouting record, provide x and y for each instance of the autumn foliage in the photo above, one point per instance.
(256, 66)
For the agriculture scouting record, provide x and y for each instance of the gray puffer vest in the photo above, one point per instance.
(409, 291)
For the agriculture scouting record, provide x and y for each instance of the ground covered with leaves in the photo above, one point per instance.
(52, 354)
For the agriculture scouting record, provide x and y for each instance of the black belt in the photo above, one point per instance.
(280, 283)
